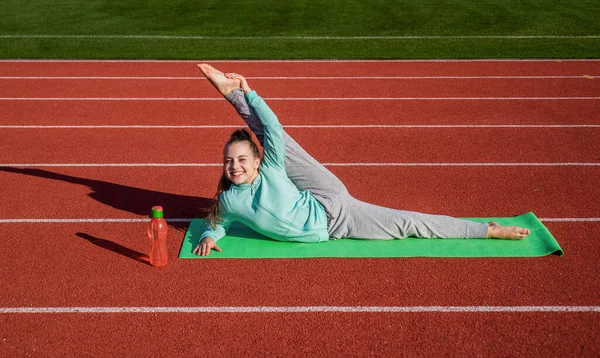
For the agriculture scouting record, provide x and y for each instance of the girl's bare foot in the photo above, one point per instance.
(497, 231)
(217, 78)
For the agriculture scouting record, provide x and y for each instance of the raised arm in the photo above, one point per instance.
(274, 146)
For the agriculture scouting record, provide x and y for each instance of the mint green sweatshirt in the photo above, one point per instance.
(271, 205)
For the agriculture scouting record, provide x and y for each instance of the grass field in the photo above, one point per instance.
(297, 29)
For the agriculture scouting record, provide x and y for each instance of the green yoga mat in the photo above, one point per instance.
(241, 242)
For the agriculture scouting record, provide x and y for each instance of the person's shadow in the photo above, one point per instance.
(134, 200)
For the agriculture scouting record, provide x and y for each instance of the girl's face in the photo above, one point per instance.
(239, 164)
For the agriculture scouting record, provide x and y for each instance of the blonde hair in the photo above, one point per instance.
(240, 135)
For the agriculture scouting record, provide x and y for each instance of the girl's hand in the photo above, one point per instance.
(243, 82)
(205, 245)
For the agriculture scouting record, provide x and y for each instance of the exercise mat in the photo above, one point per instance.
(242, 242)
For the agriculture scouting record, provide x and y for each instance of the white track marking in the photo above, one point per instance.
(69, 165)
(109, 99)
(89, 220)
(457, 164)
(516, 60)
(305, 38)
(305, 309)
(587, 77)
(186, 220)
(302, 98)
(324, 126)
(570, 219)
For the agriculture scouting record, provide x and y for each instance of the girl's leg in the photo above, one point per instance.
(238, 101)
(349, 216)
(362, 220)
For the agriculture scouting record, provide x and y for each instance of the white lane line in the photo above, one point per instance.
(68, 165)
(293, 77)
(300, 98)
(501, 60)
(306, 38)
(305, 309)
(110, 99)
(187, 220)
(387, 126)
(570, 219)
(88, 220)
(457, 164)
(325, 164)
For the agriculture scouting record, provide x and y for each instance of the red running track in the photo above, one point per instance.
(294, 88)
(457, 191)
(305, 68)
(102, 264)
(443, 112)
(381, 145)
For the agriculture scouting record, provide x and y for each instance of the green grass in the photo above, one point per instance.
(291, 19)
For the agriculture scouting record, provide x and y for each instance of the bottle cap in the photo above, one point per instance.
(157, 212)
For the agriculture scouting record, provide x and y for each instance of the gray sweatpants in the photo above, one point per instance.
(350, 217)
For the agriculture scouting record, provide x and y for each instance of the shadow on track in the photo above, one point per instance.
(134, 200)
(114, 247)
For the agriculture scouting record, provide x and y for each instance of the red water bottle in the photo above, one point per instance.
(157, 233)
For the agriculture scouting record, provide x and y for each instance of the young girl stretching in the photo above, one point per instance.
(289, 196)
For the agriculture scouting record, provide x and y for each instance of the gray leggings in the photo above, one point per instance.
(350, 217)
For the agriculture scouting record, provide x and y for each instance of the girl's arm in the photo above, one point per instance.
(209, 241)
(274, 146)
(210, 237)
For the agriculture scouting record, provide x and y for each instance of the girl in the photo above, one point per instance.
(289, 196)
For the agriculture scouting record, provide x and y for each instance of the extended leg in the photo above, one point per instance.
(351, 217)
(362, 220)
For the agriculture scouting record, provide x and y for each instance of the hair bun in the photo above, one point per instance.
(241, 134)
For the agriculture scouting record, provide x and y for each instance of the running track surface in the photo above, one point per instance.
(474, 139)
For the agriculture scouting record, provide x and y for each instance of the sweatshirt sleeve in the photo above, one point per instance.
(274, 147)
(220, 229)
(217, 234)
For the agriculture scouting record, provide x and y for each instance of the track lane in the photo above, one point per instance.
(307, 334)
(305, 68)
(300, 113)
(381, 145)
(580, 87)
(97, 192)
(102, 265)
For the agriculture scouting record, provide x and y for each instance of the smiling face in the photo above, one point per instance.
(240, 166)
